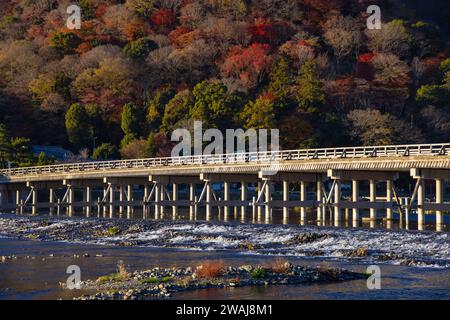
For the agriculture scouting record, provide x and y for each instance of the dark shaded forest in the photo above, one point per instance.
(137, 69)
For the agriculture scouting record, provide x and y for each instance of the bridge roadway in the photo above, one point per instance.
(307, 167)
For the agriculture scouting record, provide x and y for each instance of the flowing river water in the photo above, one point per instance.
(37, 250)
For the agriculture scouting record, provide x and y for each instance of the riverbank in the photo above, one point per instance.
(161, 282)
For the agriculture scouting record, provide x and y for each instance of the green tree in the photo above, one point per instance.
(78, 126)
(310, 95)
(176, 109)
(22, 156)
(5, 146)
(140, 48)
(66, 42)
(127, 139)
(105, 151)
(43, 160)
(213, 103)
(281, 79)
(130, 120)
(156, 107)
(151, 147)
(432, 94)
(259, 114)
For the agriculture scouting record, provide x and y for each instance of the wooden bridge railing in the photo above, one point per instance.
(236, 158)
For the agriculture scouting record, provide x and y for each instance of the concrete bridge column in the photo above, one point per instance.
(191, 199)
(337, 200)
(285, 200)
(389, 199)
(70, 200)
(88, 192)
(407, 204)
(145, 206)
(157, 196)
(34, 201)
(129, 197)
(243, 199)
(420, 203)
(121, 199)
(18, 199)
(302, 198)
(373, 197)
(259, 208)
(162, 197)
(439, 200)
(208, 200)
(268, 196)
(319, 201)
(112, 200)
(226, 197)
(174, 199)
(51, 200)
(105, 198)
(355, 199)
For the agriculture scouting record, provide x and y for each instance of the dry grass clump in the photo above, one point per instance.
(121, 274)
(280, 265)
(210, 269)
(122, 269)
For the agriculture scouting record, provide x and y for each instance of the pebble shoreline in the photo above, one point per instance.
(160, 283)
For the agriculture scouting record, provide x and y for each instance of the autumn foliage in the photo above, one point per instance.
(308, 67)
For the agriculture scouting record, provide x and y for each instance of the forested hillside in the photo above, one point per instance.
(137, 69)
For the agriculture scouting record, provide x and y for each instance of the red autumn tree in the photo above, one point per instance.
(273, 33)
(163, 17)
(247, 65)
(364, 67)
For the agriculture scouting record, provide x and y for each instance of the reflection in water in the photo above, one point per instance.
(38, 277)
(264, 215)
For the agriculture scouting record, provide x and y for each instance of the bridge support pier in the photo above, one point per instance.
(112, 207)
(129, 197)
(162, 197)
(70, 200)
(208, 200)
(51, 200)
(439, 200)
(285, 199)
(259, 208)
(145, 207)
(373, 198)
(439, 176)
(243, 199)
(18, 201)
(192, 201)
(420, 203)
(157, 199)
(355, 199)
(174, 199)
(337, 200)
(319, 199)
(268, 196)
(88, 192)
(302, 198)
(389, 200)
(121, 199)
(34, 201)
(226, 198)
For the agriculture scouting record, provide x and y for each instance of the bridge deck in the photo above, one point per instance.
(378, 158)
